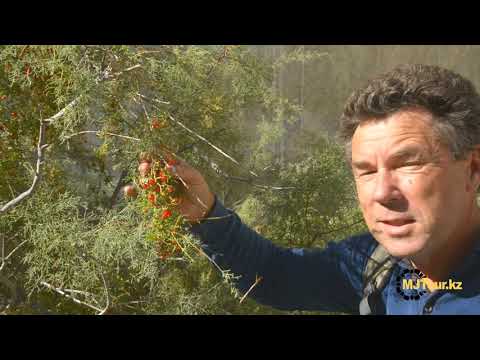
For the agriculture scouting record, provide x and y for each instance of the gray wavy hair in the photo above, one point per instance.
(451, 99)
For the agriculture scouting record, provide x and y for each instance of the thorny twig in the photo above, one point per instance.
(40, 147)
(81, 292)
(217, 169)
(107, 295)
(205, 140)
(226, 274)
(62, 112)
(154, 100)
(257, 280)
(106, 75)
(192, 145)
(201, 252)
(195, 134)
(99, 132)
(5, 258)
(221, 57)
(61, 292)
(105, 285)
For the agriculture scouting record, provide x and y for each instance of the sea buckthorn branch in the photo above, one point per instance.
(101, 133)
(71, 297)
(198, 136)
(160, 191)
(44, 123)
(227, 276)
(40, 147)
(159, 196)
(257, 281)
(250, 181)
(5, 258)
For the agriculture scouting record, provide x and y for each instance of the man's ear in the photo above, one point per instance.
(474, 168)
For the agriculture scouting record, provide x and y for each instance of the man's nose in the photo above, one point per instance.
(386, 190)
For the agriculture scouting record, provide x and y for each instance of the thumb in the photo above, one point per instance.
(184, 172)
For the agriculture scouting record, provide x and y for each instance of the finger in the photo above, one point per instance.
(144, 168)
(145, 156)
(182, 170)
(171, 158)
(180, 173)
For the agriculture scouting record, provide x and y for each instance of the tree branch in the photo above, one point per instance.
(98, 133)
(195, 134)
(120, 183)
(107, 305)
(191, 145)
(204, 140)
(58, 115)
(250, 181)
(62, 112)
(4, 259)
(61, 292)
(127, 70)
(40, 147)
(154, 100)
(81, 292)
(257, 280)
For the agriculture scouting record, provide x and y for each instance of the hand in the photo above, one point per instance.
(197, 199)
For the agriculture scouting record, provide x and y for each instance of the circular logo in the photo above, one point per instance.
(409, 284)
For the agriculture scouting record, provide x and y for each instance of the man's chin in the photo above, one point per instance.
(401, 248)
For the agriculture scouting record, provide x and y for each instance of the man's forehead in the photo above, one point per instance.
(400, 135)
(415, 123)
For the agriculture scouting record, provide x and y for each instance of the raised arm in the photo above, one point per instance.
(292, 279)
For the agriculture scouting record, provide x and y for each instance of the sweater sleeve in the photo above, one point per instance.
(328, 279)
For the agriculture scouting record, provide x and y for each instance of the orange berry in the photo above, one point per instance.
(166, 214)
(155, 123)
(152, 198)
(172, 162)
(163, 178)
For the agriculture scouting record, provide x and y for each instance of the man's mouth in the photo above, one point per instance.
(397, 222)
(396, 227)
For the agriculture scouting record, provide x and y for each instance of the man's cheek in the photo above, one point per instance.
(365, 199)
(368, 216)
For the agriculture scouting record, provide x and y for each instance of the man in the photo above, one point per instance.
(412, 137)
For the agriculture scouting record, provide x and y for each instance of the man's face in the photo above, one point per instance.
(414, 196)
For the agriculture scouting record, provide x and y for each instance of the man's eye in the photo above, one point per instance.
(415, 164)
(367, 173)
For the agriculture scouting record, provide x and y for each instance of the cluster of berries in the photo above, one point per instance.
(160, 194)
